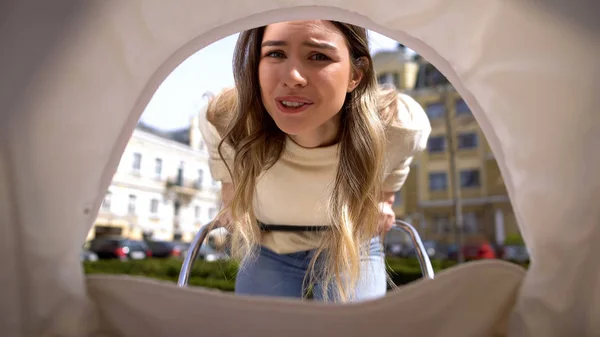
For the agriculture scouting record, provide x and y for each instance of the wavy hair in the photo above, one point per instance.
(258, 143)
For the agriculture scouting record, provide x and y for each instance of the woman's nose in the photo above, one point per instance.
(294, 76)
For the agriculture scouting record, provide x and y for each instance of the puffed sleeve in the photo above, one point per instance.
(406, 137)
(211, 137)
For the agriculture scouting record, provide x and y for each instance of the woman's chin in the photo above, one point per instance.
(291, 133)
(290, 130)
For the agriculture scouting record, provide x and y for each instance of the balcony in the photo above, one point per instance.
(110, 218)
(184, 188)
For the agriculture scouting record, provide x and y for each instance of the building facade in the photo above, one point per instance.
(426, 200)
(162, 189)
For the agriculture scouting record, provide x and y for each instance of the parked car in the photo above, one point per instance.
(164, 249)
(473, 251)
(435, 250)
(515, 253)
(119, 248)
(481, 251)
(394, 249)
(86, 255)
(209, 254)
(184, 246)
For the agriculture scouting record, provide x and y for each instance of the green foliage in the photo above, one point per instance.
(514, 240)
(221, 274)
(403, 271)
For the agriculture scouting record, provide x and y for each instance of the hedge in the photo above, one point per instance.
(221, 274)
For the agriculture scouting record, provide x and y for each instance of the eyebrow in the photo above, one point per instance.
(312, 44)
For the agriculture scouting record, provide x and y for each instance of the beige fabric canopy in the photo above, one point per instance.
(76, 76)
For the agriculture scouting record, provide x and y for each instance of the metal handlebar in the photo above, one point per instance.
(192, 254)
(422, 256)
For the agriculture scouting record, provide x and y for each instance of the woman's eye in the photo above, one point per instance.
(319, 57)
(275, 54)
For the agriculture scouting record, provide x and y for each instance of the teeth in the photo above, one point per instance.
(292, 104)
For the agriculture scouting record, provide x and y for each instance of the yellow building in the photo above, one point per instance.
(426, 199)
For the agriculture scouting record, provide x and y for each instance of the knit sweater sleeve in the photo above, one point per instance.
(406, 137)
(218, 169)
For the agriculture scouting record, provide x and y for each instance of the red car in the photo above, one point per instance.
(479, 251)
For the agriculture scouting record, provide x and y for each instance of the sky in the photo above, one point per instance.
(179, 97)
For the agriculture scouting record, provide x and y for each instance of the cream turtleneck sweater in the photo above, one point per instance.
(295, 191)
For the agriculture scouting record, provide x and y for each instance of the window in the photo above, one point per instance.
(442, 224)
(131, 204)
(467, 140)
(436, 144)
(212, 213)
(438, 181)
(434, 77)
(158, 168)
(469, 178)
(435, 110)
(470, 223)
(461, 107)
(197, 211)
(180, 173)
(397, 198)
(137, 162)
(107, 200)
(429, 76)
(385, 78)
(147, 235)
(397, 80)
(200, 178)
(154, 206)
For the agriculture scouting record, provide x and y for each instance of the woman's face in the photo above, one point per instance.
(305, 73)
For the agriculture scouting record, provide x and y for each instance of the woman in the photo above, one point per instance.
(310, 154)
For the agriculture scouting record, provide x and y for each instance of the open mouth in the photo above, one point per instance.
(292, 106)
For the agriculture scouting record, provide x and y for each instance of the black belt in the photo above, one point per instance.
(288, 228)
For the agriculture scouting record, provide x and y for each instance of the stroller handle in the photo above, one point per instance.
(192, 254)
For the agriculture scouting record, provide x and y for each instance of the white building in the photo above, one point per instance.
(158, 171)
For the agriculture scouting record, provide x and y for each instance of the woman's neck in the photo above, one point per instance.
(325, 135)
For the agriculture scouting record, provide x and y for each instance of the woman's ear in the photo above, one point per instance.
(357, 73)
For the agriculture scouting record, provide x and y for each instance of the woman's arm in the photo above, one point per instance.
(407, 135)
(217, 110)
(226, 195)
(388, 197)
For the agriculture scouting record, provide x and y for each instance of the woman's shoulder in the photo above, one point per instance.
(220, 109)
(409, 128)
(410, 115)
(400, 111)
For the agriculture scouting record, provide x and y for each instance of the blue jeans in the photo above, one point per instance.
(284, 275)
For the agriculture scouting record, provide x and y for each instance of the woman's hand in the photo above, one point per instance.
(223, 220)
(387, 217)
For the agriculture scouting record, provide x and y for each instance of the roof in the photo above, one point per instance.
(179, 135)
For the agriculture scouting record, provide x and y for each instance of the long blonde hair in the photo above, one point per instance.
(258, 143)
